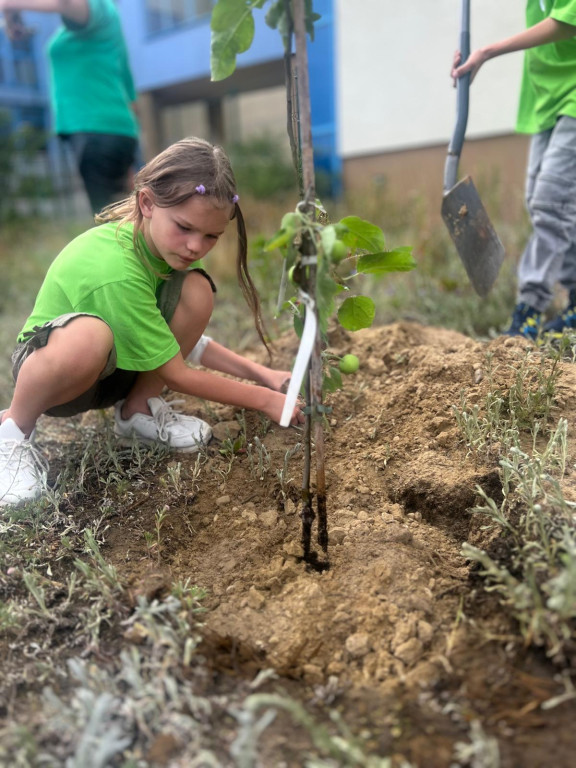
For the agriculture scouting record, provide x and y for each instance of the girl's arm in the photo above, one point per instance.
(219, 358)
(547, 31)
(75, 10)
(178, 377)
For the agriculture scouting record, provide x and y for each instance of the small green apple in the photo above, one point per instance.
(339, 251)
(349, 364)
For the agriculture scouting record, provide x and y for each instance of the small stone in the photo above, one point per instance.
(337, 535)
(410, 651)
(444, 439)
(250, 515)
(164, 747)
(255, 599)
(358, 645)
(221, 501)
(313, 673)
(293, 548)
(269, 518)
(137, 634)
(226, 430)
(425, 631)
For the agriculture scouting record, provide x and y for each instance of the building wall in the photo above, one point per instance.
(178, 55)
(397, 106)
(18, 96)
(172, 74)
(392, 71)
(496, 164)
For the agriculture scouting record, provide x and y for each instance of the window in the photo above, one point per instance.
(170, 14)
(24, 63)
(35, 117)
(2, 54)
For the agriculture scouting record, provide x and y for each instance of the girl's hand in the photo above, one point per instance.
(276, 380)
(275, 405)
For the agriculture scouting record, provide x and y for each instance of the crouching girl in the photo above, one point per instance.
(120, 311)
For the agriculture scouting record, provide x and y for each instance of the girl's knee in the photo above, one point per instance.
(197, 295)
(83, 338)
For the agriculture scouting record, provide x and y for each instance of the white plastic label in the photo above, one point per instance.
(302, 359)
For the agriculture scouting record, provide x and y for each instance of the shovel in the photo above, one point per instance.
(476, 241)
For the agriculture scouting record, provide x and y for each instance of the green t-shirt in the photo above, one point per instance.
(91, 82)
(549, 78)
(100, 274)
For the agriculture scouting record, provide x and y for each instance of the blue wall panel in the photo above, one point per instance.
(180, 55)
(183, 54)
(323, 99)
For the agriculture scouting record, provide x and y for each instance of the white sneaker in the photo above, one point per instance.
(176, 430)
(23, 469)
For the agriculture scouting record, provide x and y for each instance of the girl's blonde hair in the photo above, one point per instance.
(189, 167)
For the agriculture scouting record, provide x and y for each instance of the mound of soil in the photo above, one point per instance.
(398, 633)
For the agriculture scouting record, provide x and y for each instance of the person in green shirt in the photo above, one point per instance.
(122, 309)
(92, 90)
(547, 110)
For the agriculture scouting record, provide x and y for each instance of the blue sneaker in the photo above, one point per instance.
(564, 321)
(526, 321)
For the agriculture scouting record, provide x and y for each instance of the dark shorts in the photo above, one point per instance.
(113, 383)
(103, 161)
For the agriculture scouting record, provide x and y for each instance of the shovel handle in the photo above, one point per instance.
(462, 101)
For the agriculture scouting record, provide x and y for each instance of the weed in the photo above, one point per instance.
(536, 580)
(343, 748)
(35, 588)
(480, 752)
(283, 474)
(258, 458)
(9, 616)
(524, 405)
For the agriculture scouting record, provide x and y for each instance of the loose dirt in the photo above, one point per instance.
(398, 633)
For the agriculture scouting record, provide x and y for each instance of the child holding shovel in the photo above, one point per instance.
(547, 110)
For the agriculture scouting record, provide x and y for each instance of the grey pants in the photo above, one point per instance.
(550, 255)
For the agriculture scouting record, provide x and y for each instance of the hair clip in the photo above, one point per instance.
(201, 189)
(235, 199)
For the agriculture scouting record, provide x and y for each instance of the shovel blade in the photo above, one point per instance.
(472, 233)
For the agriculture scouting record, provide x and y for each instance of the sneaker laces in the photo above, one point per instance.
(165, 416)
(26, 454)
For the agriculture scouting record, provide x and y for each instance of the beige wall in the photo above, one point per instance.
(497, 166)
(393, 62)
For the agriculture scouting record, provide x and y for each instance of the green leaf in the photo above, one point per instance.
(398, 260)
(310, 18)
(328, 237)
(356, 312)
(277, 18)
(232, 26)
(280, 239)
(299, 321)
(362, 235)
(326, 289)
(332, 380)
